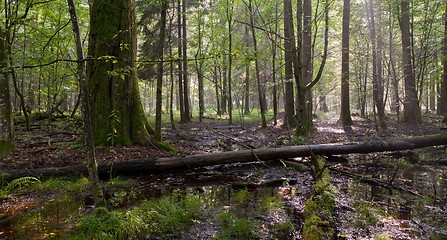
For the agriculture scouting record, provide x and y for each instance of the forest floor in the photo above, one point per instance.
(58, 143)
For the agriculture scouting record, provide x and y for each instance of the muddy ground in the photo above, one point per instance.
(416, 211)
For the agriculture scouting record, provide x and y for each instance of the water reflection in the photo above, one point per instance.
(424, 210)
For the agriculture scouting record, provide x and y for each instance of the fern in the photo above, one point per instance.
(19, 182)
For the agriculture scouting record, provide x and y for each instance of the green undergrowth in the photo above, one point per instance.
(151, 219)
(234, 227)
(7, 188)
(318, 221)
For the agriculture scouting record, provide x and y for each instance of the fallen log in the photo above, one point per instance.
(200, 160)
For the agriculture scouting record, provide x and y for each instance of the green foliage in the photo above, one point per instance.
(300, 167)
(17, 183)
(166, 146)
(241, 196)
(233, 227)
(270, 203)
(121, 183)
(435, 236)
(156, 218)
(20, 183)
(62, 185)
(112, 136)
(284, 228)
(367, 215)
(297, 139)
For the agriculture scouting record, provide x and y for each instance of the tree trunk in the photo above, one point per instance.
(443, 88)
(345, 113)
(275, 86)
(160, 48)
(224, 87)
(377, 43)
(179, 64)
(229, 14)
(432, 89)
(88, 132)
(289, 105)
(171, 75)
(186, 90)
(247, 76)
(216, 89)
(18, 91)
(412, 111)
(265, 154)
(261, 87)
(304, 125)
(395, 105)
(117, 113)
(6, 120)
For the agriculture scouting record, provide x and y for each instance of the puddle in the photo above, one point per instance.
(417, 213)
(245, 190)
(40, 219)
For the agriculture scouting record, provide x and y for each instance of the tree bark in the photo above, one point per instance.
(377, 43)
(180, 97)
(265, 154)
(92, 166)
(395, 105)
(160, 48)
(305, 124)
(275, 86)
(261, 86)
(200, 74)
(345, 113)
(6, 120)
(229, 14)
(117, 113)
(186, 89)
(412, 111)
(289, 42)
(247, 75)
(443, 99)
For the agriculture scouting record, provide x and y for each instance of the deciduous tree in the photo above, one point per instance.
(117, 112)
(412, 111)
(345, 113)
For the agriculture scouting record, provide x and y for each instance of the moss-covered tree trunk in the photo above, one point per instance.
(117, 112)
(6, 122)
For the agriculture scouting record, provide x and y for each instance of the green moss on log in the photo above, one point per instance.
(318, 221)
(6, 148)
(166, 146)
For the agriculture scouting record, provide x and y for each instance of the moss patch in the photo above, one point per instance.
(318, 221)
(6, 148)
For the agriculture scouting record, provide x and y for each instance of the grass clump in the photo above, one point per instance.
(284, 229)
(232, 227)
(241, 196)
(63, 185)
(270, 203)
(151, 219)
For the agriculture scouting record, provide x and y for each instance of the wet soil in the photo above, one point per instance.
(363, 211)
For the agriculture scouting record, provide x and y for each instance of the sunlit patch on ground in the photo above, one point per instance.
(331, 129)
